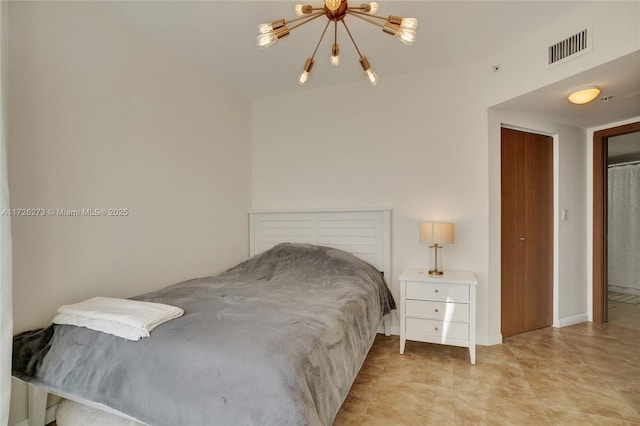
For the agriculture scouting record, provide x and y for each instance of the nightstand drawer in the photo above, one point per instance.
(437, 310)
(437, 291)
(444, 330)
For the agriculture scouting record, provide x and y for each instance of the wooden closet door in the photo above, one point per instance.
(527, 231)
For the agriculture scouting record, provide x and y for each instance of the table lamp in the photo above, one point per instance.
(436, 233)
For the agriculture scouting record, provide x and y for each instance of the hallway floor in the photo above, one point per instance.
(624, 314)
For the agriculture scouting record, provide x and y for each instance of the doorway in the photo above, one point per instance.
(526, 231)
(600, 217)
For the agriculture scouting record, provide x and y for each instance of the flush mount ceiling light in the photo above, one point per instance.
(404, 29)
(584, 95)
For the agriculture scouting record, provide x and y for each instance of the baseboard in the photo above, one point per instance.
(395, 330)
(576, 319)
(49, 416)
(489, 340)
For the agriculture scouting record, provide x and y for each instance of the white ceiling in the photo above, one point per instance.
(221, 35)
(618, 79)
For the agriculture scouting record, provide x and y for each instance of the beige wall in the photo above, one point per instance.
(415, 143)
(103, 117)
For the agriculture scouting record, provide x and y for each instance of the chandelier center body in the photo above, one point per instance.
(335, 10)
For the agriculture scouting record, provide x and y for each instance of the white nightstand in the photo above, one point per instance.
(438, 308)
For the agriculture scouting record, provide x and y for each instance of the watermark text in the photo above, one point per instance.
(59, 212)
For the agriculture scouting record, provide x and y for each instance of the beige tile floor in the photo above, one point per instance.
(585, 374)
(624, 314)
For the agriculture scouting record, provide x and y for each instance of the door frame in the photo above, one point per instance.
(600, 205)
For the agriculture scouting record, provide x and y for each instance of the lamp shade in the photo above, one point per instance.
(436, 232)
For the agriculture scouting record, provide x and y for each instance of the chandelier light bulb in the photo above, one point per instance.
(335, 55)
(372, 76)
(266, 40)
(409, 24)
(303, 9)
(374, 7)
(265, 28)
(405, 35)
(304, 75)
(408, 37)
(270, 33)
(366, 66)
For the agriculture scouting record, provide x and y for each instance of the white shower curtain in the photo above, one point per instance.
(6, 310)
(624, 228)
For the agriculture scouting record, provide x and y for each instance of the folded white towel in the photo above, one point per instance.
(130, 319)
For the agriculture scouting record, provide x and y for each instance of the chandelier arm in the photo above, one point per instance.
(321, 37)
(308, 19)
(351, 37)
(355, 12)
(357, 15)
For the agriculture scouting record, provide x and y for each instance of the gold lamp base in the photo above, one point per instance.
(435, 267)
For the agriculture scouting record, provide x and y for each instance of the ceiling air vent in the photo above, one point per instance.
(570, 47)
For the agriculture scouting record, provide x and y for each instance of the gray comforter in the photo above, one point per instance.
(276, 340)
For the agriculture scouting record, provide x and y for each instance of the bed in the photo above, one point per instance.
(277, 339)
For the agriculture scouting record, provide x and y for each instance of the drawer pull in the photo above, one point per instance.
(436, 290)
(436, 309)
(435, 328)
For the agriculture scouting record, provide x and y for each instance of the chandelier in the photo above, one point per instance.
(404, 29)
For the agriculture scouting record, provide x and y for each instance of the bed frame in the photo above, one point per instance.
(363, 233)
